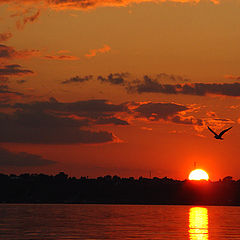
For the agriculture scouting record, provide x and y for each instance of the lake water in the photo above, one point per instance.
(58, 222)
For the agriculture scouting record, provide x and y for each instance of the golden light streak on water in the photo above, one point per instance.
(198, 223)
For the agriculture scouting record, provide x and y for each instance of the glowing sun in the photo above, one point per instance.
(198, 174)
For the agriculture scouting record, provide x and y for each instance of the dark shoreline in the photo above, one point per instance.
(120, 204)
(61, 189)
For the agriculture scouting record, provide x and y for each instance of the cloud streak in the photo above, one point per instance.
(13, 70)
(77, 79)
(61, 57)
(22, 159)
(149, 85)
(166, 111)
(94, 52)
(5, 36)
(114, 78)
(7, 52)
(46, 128)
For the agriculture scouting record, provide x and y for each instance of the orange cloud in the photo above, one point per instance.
(232, 77)
(61, 57)
(25, 15)
(21, 23)
(5, 36)
(94, 52)
(89, 4)
(7, 52)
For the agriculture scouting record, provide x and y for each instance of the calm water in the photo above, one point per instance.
(58, 222)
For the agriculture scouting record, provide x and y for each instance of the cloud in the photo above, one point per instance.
(94, 52)
(89, 4)
(62, 57)
(166, 111)
(171, 77)
(111, 120)
(5, 89)
(82, 5)
(232, 77)
(21, 81)
(155, 111)
(13, 70)
(25, 20)
(53, 122)
(90, 108)
(211, 114)
(7, 52)
(77, 79)
(25, 15)
(5, 36)
(22, 159)
(187, 120)
(38, 127)
(114, 78)
(149, 85)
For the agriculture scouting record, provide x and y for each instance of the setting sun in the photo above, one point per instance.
(198, 174)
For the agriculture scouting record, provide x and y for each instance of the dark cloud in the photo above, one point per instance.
(166, 111)
(115, 78)
(21, 81)
(33, 126)
(149, 85)
(4, 89)
(13, 70)
(53, 122)
(111, 120)
(8, 52)
(90, 108)
(22, 159)
(78, 79)
(155, 111)
(5, 36)
(172, 78)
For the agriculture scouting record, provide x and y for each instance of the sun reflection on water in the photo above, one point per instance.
(198, 223)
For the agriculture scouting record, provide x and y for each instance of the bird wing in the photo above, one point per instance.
(212, 131)
(222, 132)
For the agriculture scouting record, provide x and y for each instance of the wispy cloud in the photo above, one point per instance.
(14, 70)
(8, 52)
(5, 36)
(22, 159)
(26, 15)
(77, 79)
(149, 85)
(94, 52)
(61, 57)
(115, 78)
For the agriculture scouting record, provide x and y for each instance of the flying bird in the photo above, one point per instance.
(219, 136)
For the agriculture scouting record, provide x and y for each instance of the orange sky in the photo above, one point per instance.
(119, 87)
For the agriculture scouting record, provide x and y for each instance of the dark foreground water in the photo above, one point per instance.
(58, 222)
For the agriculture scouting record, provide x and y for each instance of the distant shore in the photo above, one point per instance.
(61, 189)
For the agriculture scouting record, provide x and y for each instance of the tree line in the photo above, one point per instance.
(42, 188)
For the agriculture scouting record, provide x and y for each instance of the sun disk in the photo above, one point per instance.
(198, 174)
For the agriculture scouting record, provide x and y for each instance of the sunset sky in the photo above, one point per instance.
(119, 87)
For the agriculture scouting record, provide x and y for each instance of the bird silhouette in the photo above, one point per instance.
(219, 136)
